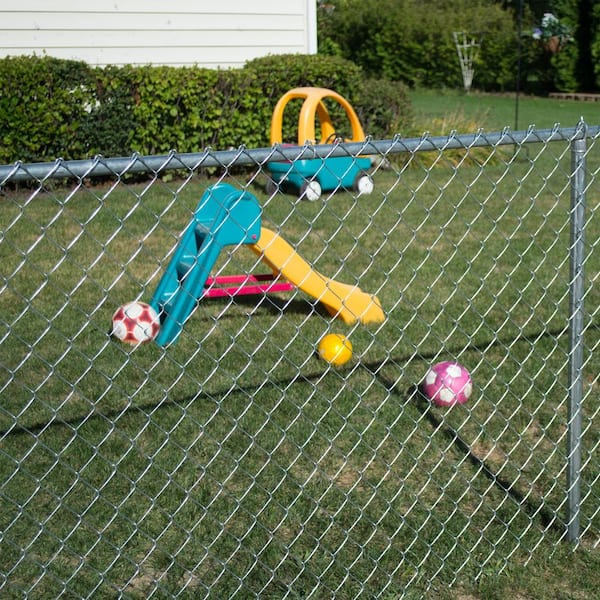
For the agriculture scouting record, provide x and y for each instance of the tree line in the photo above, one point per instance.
(412, 41)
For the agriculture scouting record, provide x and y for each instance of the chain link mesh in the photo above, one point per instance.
(237, 463)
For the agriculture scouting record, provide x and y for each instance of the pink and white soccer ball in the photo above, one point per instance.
(135, 323)
(447, 383)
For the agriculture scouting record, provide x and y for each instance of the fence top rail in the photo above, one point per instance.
(100, 166)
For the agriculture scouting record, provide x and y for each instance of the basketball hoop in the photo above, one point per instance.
(467, 47)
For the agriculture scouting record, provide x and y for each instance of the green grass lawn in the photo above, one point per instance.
(236, 460)
(495, 112)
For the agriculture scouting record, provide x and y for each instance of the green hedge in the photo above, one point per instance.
(52, 108)
(42, 104)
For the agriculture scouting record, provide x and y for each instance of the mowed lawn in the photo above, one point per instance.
(495, 112)
(237, 462)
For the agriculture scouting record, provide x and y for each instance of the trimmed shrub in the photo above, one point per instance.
(382, 105)
(43, 104)
(52, 108)
(383, 108)
(279, 73)
(110, 121)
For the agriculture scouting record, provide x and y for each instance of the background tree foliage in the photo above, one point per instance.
(411, 41)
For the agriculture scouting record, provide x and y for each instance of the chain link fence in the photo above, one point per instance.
(234, 461)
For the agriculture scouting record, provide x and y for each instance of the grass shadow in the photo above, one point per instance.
(274, 304)
(533, 507)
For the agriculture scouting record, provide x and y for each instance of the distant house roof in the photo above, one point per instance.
(220, 34)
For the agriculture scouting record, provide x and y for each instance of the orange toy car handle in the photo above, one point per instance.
(313, 108)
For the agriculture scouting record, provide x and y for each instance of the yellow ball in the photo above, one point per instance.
(336, 349)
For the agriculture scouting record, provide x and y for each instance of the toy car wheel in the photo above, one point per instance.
(311, 190)
(270, 187)
(363, 184)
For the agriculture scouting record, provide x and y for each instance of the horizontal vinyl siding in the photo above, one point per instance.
(190, 32)
(233, 7)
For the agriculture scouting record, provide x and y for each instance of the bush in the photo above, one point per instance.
(414, 42)
(59, 108)
(383, 108)
(279, 73)
(43, 104)
(382, 105)
(110, 121)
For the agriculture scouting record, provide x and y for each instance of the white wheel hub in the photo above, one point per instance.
(312, 191)
(365, 185)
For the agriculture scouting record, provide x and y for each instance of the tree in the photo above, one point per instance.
(411, 41)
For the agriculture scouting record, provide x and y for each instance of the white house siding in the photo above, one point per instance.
(220, 34)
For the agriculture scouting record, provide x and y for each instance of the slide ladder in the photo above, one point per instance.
(227, 216)
(224, 216)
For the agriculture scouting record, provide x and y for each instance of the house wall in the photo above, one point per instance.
(219, 34)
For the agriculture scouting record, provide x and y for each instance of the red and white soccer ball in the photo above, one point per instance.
(135, 323)
(447, 383)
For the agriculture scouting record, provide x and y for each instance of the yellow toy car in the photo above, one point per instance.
(310, 177)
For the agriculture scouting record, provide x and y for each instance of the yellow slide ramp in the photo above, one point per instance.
(344, 301)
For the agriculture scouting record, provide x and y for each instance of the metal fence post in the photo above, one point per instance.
(576, 326)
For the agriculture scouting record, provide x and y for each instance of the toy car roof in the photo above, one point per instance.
(314, 108)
